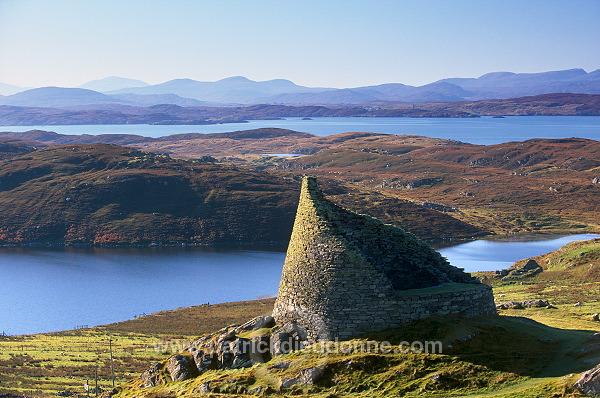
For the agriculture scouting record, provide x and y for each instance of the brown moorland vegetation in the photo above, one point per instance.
(532, 186)
(105, 194)
(535, 185)
(437, 189)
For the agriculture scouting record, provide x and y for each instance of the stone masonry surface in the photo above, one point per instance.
(346, 273)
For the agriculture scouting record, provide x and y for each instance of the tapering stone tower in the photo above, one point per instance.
(346, 273)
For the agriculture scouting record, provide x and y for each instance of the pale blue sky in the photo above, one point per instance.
(331, 43)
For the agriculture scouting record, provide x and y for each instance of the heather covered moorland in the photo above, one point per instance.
(221, 188)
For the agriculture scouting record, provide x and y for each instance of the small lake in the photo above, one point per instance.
(45, 290)
(484, 130)
(492, 255)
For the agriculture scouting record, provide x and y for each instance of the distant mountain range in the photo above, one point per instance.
(233, 90)
(242, 91)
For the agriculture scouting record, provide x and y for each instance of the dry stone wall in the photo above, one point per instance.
(346, 273)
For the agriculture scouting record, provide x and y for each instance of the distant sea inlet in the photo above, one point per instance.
(482, 131)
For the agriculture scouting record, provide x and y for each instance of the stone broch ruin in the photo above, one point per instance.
(346, 273)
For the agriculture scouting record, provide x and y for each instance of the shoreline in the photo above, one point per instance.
(438, 243)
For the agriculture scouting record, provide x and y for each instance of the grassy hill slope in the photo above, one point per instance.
(460, 190)
(571, 276)
(532, 352)
(537, 185)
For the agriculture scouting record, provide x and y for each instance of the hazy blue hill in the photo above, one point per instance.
(389, 91)
(9, 89)
(432, 92)
(112, 83)
(437, 92)
(340, 96)
(588, 83)
(510, 85)
(155, 99)
(395, 92)
(237, 89)
(58, 97)
(533, 79)
(509, 79)
(489, 86)
(594, 75)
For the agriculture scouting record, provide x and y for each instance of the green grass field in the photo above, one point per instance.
(47, 364)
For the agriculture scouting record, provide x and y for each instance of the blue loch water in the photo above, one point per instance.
(45, 290)
(484, 131)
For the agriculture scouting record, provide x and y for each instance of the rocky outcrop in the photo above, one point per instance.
(420, 182)
(152, 377)
(288, 337)
(225, 349)
(345, 274)
(439, 207)
(531, 268)
(517, 305)
(233, 347)
(589, 382)
(307, 376)
(509, 305)
(256, 323)
(535, 303)
(181, 368)
(590, 349)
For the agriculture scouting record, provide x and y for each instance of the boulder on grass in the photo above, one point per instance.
(531, 268)
(512, 305)
(589, 382)
(535, 303)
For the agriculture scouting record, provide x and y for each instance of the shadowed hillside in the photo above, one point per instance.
(106, 194)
